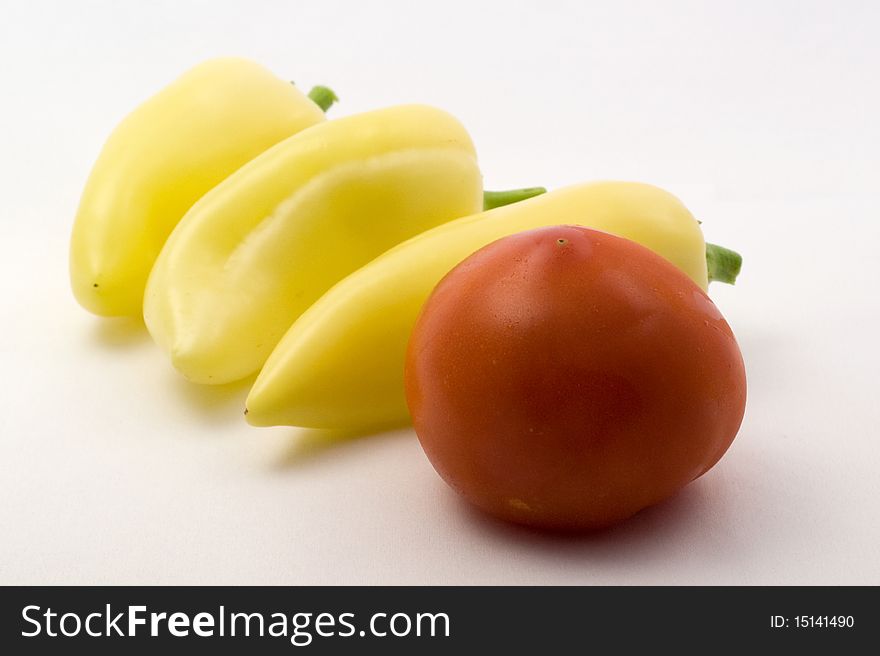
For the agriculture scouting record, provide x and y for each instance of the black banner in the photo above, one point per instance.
(404, 620)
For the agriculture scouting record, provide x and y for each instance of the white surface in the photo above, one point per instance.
(762, 116)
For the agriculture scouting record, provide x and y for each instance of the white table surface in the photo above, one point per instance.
(761, 116)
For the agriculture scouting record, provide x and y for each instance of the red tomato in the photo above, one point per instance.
(567, 378)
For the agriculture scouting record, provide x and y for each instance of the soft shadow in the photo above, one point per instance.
(307, 445)
(658, 524)
(214, 402)
(119, 332)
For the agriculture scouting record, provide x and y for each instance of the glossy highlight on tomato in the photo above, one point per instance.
(566, 378)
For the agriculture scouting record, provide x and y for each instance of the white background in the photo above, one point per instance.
(762, 116)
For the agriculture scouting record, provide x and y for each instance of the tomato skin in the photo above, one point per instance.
(567, 378)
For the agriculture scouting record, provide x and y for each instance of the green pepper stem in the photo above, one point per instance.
(493, 199)
(722, 263)
(323, 97)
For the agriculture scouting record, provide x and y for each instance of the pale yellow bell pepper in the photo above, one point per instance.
(262, 246)
(341, 364)
(161, 159)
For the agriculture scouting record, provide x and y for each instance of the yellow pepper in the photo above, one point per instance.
(161, 159)
(341, 364)
(263, 245)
